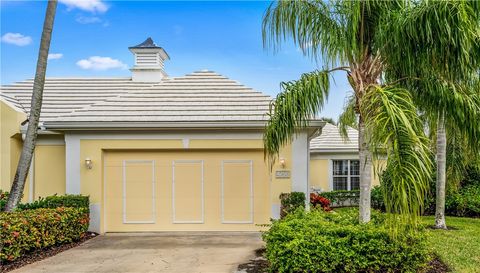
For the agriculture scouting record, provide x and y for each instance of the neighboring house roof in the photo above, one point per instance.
(330, 141)
(202, 96)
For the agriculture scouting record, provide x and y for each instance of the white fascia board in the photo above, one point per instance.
(333, 151)
(315, 125)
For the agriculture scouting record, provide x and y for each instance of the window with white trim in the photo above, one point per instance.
(346, 174)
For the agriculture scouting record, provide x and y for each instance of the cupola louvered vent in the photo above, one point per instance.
(149, 62)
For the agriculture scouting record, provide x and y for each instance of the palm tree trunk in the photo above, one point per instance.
(365, 173)
(18, 185)
(441, 174)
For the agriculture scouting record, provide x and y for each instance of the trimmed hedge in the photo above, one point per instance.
(56, 201)
(320, 241)
(28, 230)
(290, 202)
(342, 198)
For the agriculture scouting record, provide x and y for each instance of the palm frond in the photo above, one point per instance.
(348, 118)
(312, 25)
(293, 108)
(396, 131)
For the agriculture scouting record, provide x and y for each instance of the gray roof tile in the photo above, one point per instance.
(331, 141)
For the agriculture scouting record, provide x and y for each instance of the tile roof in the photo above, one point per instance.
(13, 102)
(331, 141)
(64, 95)
(202, 96)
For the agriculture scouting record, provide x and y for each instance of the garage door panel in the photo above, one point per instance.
(139, 191)
(202, 190)
(237, 191)
(187, 192)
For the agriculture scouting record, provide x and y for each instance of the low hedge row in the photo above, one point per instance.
(24, 231)
(56, 201)
(53, 201)
(320, 241)
(342, 198)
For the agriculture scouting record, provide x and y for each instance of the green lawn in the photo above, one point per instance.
(459, 248)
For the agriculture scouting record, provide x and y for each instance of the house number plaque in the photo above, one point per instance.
(282, 174)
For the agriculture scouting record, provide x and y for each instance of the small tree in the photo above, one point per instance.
(18, 184)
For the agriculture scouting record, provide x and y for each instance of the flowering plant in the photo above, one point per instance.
(318, 201)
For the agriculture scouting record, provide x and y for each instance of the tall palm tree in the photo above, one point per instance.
(18, 184)
(353, 36)
(440, 62)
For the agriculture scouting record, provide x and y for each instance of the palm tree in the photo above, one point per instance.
(355, 37)
(440, 62)
(18, 185)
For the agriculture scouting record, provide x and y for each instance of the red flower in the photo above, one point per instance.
(320, 201)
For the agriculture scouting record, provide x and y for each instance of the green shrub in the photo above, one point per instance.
(3, 199)
(342, 198)
(28, 230)
(290, 202)
(472, 176)
(56, 201)
(465, 202)
(376, 197)
(319, 241)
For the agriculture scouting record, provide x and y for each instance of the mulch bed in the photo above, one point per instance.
(260, 265)
(437, 266)
(44, 253)
(256, 265)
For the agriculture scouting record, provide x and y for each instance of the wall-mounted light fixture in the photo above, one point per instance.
(282, 163)
(88, 163)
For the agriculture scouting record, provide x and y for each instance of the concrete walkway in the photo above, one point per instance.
(154, 252)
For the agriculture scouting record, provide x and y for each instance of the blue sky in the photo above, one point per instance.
(221, 36)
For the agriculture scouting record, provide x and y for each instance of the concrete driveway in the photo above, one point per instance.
(154, 252)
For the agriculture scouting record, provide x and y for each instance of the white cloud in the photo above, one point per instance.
(86, 5)
(16, 39)
(55, 56)
(101, 63)
(88, 20)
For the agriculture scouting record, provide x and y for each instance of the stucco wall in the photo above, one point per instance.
(10, 143)
(49, 170)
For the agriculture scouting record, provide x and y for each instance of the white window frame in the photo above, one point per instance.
(349, 176)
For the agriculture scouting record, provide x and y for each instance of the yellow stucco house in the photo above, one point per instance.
(160, 153)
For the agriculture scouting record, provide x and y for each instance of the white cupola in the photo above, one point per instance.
(149, 60)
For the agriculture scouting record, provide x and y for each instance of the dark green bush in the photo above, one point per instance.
(290, 202)
(376, 197)
(24, 231)
(472, 177)
(342, 198)
(465, 202)
(56, 201)
(319, 241)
